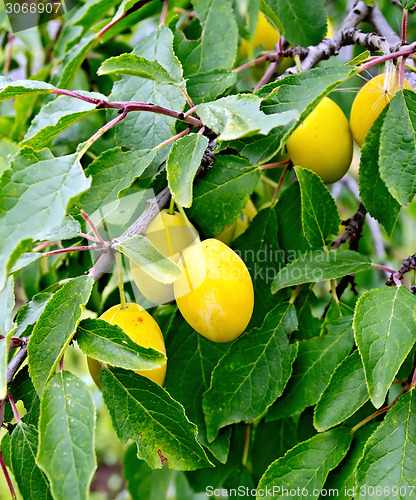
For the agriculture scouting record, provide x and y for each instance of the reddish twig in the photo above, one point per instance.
(268, 166)
(404, 51)
(129, 106)
(70, 249)
(252, 63)
(89, 237)
(41, 246)
(88, 220)
(9, 53)
(15, 412)
(172, 139)
(107, 27)
(164, 12)
(268, 74)
(6, 475)
(279, 185)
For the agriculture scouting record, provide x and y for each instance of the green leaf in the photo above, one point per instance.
(345, 394)
(205, 87)
(316, 361)
(31, 480)
(268, 8)
(90, 12)
(22, 389)
(218, 26)
(253, 373)
(305, 467)
(69, 228)
(397, 154)
(320, 217)
(182, 165)
(109, 343)
(385, 331)
(24, 260)
(221, 195)
(10, 89)
(342, 478)
(112, 173)
(37, 188)
(141, 410)
(191, 360)
(55, 117)
(372, 187)
(143, 130)
(408, 4)
(131, 64)
(389, 455)
(239, 115)
(143, 483)
(316, 265)
(55, 328)
(145, 255)
(259, 249)
(72, 61)
(66, 436)
(6, 330)
(305, 22)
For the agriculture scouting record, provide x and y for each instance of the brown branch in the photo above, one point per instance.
(407, 265)
(353, 230)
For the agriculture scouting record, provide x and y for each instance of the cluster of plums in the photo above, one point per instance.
(214, 292)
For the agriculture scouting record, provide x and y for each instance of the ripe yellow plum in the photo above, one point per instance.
(370, 102)
(220, 307)
(139, 325)
(170, 234)
(323, 142)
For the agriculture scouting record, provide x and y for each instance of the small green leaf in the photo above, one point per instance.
(385, 331)
(225, 189)
(55, 329)
(316, 361)
(31, 480)
(142, 252)
(372, 187)
(112, 173)
(6, 330)
(253, 373)
(66, 436)
(38, 188)
(317, 265)
(109, 343)
(389, 455)
(320, 217)
(182, 165)
(10, 89)
(408, 4)
(398, 147)
(131, 64)
(305, 467)
(55, 117)
(305, 22)
(239, 115)
(345, 394)
(141, 410)
(205, 87)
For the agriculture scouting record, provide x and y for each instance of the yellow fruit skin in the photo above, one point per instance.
(323, 142)
(219, 308)
(265, 35)
(142, 329)
(170, 234)
(370, 102)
